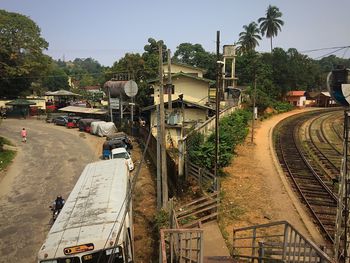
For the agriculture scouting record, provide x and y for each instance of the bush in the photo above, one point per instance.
(281, 107)
(233, 131)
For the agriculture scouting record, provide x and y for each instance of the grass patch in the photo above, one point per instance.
(5, 158)
(5, 141)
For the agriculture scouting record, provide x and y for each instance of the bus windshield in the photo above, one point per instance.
(104, 256)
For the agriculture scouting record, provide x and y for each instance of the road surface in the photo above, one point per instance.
(47, 165)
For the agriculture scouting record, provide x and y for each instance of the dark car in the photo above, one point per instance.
(112, 144)
(73, 121)
(61, 120)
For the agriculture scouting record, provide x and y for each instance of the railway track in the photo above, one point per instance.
(310, 182)
(326, 151)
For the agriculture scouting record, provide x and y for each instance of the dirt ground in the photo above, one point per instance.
(256, 190)
(47, 165)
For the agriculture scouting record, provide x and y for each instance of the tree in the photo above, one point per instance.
(55, 78)
(248, 39)
(21, 53)
(195, 55)
(271, 24)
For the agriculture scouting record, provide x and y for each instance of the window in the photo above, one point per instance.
(166, 89)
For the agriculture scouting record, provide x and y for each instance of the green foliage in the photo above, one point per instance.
(282, 106)
(248, 39)
(21, 53)
(161, 220)
(271, 23)
(233, 131)
(195, 55)
(6, 157)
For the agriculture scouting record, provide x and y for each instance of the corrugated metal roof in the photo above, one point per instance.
(296, 93)
(76, 109)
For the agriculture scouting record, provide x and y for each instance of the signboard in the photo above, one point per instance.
(78, 249)
(114, 103)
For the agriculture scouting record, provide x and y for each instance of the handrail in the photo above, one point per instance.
(291, 244)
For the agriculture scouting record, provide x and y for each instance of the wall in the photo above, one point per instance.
(193, 90)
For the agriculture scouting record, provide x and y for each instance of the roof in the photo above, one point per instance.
(296, 93)
(187, 66)
(181, 74)
(119, 150)
(317, 94)
(77, 109)
(61, 92)
(93, 211)
(20, 102)
(178, 101)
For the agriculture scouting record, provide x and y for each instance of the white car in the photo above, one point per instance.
(121, 153)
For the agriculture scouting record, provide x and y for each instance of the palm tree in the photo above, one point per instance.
(271, 24)
(248, 39)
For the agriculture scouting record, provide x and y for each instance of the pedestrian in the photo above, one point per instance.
(24, 135)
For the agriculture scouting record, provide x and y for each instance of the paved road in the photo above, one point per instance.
(47, 165)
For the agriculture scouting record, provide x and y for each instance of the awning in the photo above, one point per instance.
(20, 102)
(76, 109)
(61, 92)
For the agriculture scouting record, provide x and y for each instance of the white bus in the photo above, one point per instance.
(86, 229)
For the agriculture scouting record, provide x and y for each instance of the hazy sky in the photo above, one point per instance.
(106, 29)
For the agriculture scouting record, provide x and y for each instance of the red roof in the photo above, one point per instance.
(296, 93)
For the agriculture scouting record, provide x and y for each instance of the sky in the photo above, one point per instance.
(107, 29)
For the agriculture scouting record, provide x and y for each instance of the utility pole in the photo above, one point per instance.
(159, 172)
(169, 86)
(162, 130)
(254, 98)
(217, 102)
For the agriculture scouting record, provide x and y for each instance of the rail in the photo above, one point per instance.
(205, 179)
(181, 245)
(198, 211)
(276, 242)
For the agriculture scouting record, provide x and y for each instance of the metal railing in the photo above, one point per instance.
(205, 179)
(275, 242)
(181, 245)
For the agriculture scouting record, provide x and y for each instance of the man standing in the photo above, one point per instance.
(24, 135)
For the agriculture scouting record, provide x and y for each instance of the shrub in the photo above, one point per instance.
(282, 106)
(233, 131)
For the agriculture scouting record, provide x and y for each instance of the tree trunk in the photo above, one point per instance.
(271, 43)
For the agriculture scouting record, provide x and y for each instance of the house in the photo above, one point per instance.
(320, 99)
(188, 81)
(184, 116)
(296, 98)
(189, 100)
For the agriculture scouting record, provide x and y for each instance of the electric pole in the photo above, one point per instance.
(217, 102)
(162, 130)
(254, 98)
(169, 86)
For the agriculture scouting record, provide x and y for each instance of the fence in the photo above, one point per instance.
(181, 245)
(206, 180)
(275, 242)
(198, 211)
(172, 168)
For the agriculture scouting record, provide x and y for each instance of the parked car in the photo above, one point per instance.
(61, 120)
(121, 153)
(73, 121)
(108, 146)
(121, 136)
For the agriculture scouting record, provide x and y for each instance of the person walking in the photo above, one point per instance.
(24, 135)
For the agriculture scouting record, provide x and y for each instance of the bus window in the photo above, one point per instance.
(104, 256)
(62, 260)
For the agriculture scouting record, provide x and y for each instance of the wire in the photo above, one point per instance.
(331, 53)
(320, 49)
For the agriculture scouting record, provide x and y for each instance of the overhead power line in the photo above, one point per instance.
(321, 49)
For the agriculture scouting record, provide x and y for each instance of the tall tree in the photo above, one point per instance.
(195, 55)
(248, 39)
(21, 53)
(271, 23)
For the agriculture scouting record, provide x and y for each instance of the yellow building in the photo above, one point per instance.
(189, 98)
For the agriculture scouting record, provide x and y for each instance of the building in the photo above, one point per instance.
(320, 99)
(296, 98)
(190, 105)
